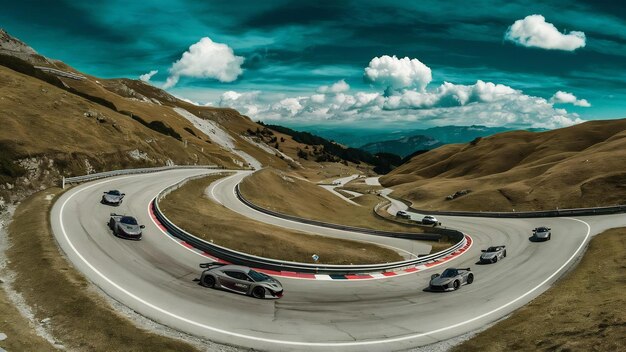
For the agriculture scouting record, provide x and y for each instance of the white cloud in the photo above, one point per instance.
(389, 71)
(318, 98)
(290, 106)
(534, 31)
(206, 59)
(147, 76)
(337, 87)
(561, 97)
(246, 103)
(483, 103)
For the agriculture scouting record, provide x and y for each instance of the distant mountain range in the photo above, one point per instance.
(403, 146)
(405, 142)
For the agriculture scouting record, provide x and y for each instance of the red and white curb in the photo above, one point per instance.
(326, 277)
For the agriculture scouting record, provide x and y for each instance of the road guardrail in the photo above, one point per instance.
(405, 235)
(616, 209)
(99, 175)
(240, 258)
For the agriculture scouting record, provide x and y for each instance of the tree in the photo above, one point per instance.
(302, 154)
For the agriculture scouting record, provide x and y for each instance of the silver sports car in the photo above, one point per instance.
(430, 220)
(125, 226)
(493, 254)
(112, 197)
(542, 233)
(240, 279)
(451, 279)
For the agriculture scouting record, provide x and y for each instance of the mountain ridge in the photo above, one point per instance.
(577, 166)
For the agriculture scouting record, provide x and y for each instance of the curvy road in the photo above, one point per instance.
(155, 276)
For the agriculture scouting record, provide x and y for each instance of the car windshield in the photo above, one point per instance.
(258, 277)
(114, 193)
(542, 229)
(127, 220)
(492, 249)
(449, 273)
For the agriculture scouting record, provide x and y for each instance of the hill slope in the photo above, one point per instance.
(58, 121)
(578, 166)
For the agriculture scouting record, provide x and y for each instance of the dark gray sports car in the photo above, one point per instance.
(125, 226)
(240, 279)
(493, 254)
(112, 197)
(451, 279)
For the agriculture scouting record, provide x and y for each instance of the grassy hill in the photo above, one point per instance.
(578, 166)
(289, 194)
(55, 125)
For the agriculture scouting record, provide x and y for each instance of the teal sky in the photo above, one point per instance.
(269, 58)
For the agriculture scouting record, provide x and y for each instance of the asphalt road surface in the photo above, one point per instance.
(154, 277)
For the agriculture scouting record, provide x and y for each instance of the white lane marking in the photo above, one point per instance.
(302, 343)
(215, 184)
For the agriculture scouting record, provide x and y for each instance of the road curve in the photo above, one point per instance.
(154, 277)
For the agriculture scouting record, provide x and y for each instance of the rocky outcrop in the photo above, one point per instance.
(15, 47)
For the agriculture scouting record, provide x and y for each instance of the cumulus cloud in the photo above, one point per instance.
(395, 73)
(206, 59)
(337, 87)
(534, 31)
(561, 97)
(147, 76)
(290, 106)
(247, 103)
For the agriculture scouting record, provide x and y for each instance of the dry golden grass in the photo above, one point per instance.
(41, 119)
(214, 222)
(360, 186)
(326, 172)
(21, 335)
(583, 312)
(79, 319)
(274, 190)
(578, 166)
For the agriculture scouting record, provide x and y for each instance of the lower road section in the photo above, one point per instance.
(155, 277)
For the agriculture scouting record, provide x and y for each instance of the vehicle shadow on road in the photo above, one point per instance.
(482, 263)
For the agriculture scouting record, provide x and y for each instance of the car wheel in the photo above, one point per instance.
(505, 254)
(470, 278)
(549, 236)
(208, 281)
(258, 292)
(456, 285)
(495, 259)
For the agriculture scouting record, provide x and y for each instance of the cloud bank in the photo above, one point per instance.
(483, 103)
(404, 96)
(534, 31)
(206, 59)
